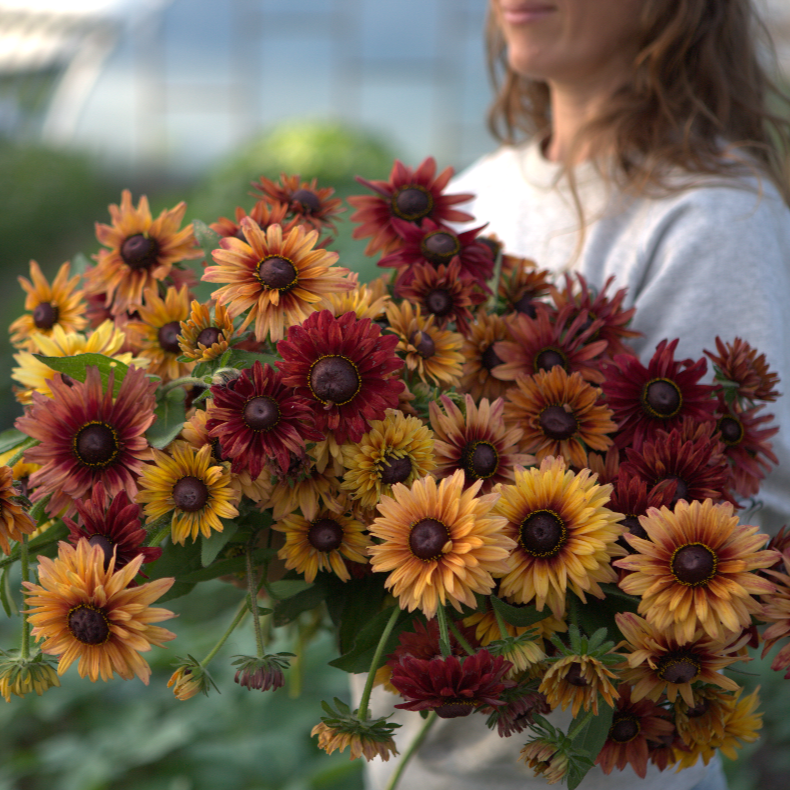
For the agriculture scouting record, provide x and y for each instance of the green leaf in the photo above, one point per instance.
(285, 588)
(362, 600)
(207, 238)
(176, 560)
(212, 546)
(76, 367)
(597, 614)
(80, 263)
(170, 418)
(521, 616)
(10, 439)
(246, 359)
(225, 567)
(592, 738)
(289, 609)
(359, 658)
(7, 599)
(176, 591)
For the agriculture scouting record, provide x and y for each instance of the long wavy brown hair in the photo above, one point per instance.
(699, 100)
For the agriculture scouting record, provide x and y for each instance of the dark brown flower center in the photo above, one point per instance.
(455, 709)
(681, 488)
(694, 564)
(678, 667)
(325, 534)
(731, 429)
(662, 398)
(276, 273)
(45, 315)
(395, 470)
(624, 729)
(547, 358)
(96, 444)
(89, 625)
(309, 201)
(261, 413)
(525, 304)
(412, 202)
(489, 359)
(439, 302)
(440, 246)
(558, 423)
(106, 547)
(139, 252)
(542, 533)
(190, 494)
(427, 539)
(424, 344)
(334, 380)
(209, 336)
(574, 676)
(168, 337)
(700, 709)
(480, 460)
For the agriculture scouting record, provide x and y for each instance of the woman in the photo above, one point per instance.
(649, 155)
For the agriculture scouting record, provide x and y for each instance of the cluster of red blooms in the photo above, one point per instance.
(465, 428)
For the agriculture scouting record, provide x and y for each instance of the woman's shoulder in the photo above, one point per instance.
(507, 164)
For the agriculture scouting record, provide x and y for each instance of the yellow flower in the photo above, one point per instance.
(565, 535)
(192, 487)
(359, 745)
(59, 304)
(440, 543)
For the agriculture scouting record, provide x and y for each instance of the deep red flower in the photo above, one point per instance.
(599, 306)
(691, 460)
(343, 369)
(263, 213)
(115, 525)
(449, 686)
(635, 725)
(259, 419)
(435, 245)
(444, 293)
(423, 642)
(86, 436)
(632, 496)
(746, 445)
(659, 396)
(518, 712)
(551, 338)
(410, 195)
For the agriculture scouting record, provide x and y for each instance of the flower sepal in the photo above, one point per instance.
(342, 727)
(190, 678)
(21, 675)
(262, 672)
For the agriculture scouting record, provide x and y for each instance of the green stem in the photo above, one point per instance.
(413, 747)
(503, 632)
(37, 511)
(581, 725)
(183, 382)
(374, 665)
(252, 591)
(25, 652)
(17, 456)
(444, 637)
(460, 637)
(158, 536)
(495, 282)
(15, 554)
(243, 609)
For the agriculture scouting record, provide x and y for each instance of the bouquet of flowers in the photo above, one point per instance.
(461, 469)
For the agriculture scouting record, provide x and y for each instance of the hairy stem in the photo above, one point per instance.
(410, 752)
(374, 665)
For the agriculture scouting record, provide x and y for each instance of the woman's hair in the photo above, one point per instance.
(697, 84)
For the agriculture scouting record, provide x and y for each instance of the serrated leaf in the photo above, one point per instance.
(10, 439)
(359, 658)
(6, 597)
(211, 547)
(76, 367)
(207, 238)
(521, 616)
(170, 417)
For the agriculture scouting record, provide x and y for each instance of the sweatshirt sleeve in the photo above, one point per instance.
(716, 261)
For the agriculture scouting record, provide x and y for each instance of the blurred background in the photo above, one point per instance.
(193, 99)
